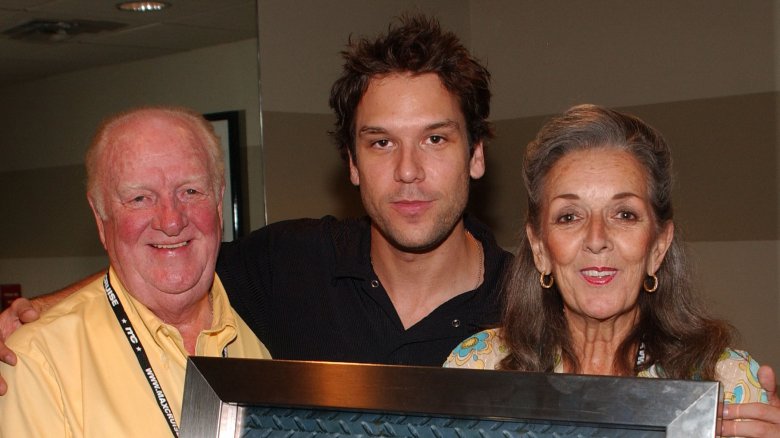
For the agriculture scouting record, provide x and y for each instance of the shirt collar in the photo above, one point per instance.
(352, 243)
(210, 342)
(352, 248)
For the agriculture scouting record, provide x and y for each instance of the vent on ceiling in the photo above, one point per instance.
(52, 31)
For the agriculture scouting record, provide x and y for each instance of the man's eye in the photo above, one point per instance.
(139, 201)
(436, 139)
(382, 143)
(191, 191)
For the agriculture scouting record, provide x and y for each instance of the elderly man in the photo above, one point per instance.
(110, 359)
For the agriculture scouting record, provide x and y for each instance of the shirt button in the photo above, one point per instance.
(456, 323)
(374, 283)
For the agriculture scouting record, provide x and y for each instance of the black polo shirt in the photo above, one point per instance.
(306, 287)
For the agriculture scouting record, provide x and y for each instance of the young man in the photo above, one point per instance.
(406, 284)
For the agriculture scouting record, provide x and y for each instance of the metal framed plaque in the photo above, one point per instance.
(274, 398)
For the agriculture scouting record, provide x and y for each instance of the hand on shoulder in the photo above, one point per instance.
(20, 312)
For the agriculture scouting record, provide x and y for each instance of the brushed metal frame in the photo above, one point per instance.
(218, 390)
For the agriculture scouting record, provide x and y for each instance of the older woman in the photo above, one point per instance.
(600, 283)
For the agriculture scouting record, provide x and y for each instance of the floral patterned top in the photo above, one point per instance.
(736, 370)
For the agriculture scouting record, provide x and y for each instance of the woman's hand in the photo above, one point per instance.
(755, 419)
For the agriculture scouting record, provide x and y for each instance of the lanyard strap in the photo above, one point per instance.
(140, 354)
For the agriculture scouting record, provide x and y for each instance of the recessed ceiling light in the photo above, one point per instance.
(142, 6)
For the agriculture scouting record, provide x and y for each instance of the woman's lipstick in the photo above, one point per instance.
(598, 276)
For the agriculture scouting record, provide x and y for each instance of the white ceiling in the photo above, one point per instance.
(186, 25)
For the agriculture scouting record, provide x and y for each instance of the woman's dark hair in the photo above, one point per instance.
(679, 335)
(417, 46)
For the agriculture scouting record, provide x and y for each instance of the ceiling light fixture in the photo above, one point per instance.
(142, 6)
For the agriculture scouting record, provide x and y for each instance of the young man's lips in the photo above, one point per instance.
(411, 207)
(598, 275)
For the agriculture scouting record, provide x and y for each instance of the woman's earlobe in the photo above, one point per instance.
(661, 247)
(537, 249)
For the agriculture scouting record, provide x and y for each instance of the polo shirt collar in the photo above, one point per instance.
(353, 250)
(210, 342)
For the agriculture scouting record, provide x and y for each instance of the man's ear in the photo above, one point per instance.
(98, 220)
(541, 259)
(354, 174)
(661, 245)
(477, 161)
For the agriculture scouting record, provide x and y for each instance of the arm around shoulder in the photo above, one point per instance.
(23, 311)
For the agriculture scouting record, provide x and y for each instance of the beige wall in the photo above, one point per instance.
(556, 53)
(739, 280)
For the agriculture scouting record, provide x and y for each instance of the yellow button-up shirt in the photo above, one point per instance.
(77, 375)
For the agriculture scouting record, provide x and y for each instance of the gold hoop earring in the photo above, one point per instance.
(546, 284)
(655, 284)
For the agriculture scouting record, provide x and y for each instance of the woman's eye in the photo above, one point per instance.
(626, 215)
(566, 218)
